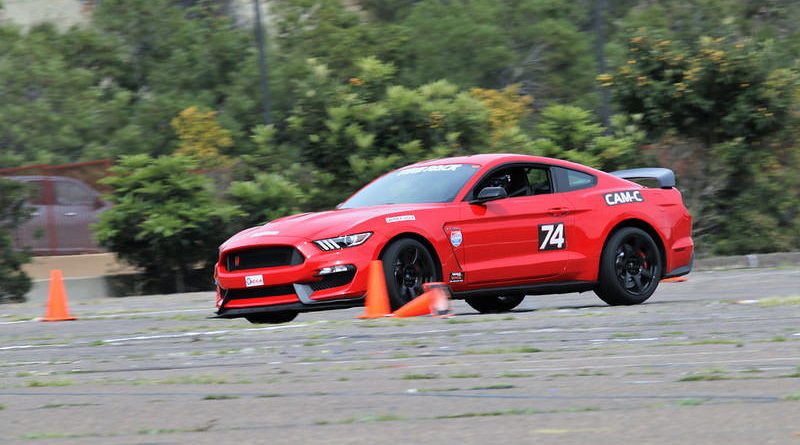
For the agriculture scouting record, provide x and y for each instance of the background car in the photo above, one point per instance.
(494, 227)
(63, 212)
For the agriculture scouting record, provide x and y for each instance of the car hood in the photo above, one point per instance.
(332, 223)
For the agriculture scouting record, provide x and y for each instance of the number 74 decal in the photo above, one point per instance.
(551, 236)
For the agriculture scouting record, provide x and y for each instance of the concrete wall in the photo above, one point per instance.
(64, 13)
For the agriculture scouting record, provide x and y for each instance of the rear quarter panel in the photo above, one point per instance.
(595, 219)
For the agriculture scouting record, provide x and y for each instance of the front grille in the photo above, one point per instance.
(262, 257)
(259, 292)
(333, 280)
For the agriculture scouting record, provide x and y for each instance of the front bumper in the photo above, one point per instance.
(293, 287)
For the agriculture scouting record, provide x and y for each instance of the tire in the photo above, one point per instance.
(407, 264)
(630, 268)
(272, 317)
(492, 304)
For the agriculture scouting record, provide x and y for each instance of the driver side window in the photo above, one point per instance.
(519, 181)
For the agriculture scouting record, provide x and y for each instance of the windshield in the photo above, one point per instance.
(433, 183)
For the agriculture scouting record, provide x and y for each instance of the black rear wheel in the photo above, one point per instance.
(630, 268)
(492, 304)
(272, 317)
(407, 264)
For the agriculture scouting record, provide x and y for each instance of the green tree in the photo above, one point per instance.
(54, 109)
(572, 133)
(14, 282)
(165, 219)
(725, 103)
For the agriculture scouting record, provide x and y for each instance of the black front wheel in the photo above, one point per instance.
(630, 268)
(492, 304)
(407, 265)
(272, 317)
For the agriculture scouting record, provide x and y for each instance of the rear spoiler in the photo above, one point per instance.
(664, 176)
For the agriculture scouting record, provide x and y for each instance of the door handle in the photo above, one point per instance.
(70, 214)
(558, 211)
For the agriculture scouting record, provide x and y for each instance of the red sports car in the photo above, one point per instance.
(494, 227)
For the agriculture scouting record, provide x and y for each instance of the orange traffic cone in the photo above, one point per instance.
(377, 302)
(57, 309)
(674, 280)
(434, 301)
(416, 307)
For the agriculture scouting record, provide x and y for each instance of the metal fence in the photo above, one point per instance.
(66, 201)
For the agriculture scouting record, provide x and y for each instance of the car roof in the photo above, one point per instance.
(492, 159)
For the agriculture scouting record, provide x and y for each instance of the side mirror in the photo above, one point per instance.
(490, 194)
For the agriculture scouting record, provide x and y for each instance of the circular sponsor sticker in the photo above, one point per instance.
(456, 238)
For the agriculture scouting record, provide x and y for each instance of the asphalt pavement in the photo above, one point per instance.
(714, 360)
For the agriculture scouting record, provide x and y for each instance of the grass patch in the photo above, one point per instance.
(48, 383)
(67, 405)
(363, 419)
(590, 373)
(506, 412)
(629, 373)
(464, 375)
(314, 359)
(97, 343)
(343, 379)
(672, 333)
(794, 396)
(707, 376)
(186, 380)
(778, 339)
(24, 374)
(779, 301)
(514, 412)
(268, 396)
(219, 397)
(2, 407)
(198, 429)
(426, 376)
(625, 335)
(690, 402)
(794, 375)
(497, 386)
(12, 317)
(511, 350)
(402, 355)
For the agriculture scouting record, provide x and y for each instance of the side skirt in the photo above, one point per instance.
(563, 287)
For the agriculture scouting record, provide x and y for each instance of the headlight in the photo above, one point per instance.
(340, 242)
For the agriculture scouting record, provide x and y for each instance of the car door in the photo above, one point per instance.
(75, 210)
(523, 238)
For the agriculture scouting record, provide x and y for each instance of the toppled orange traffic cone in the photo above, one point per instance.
(674, 280)
(435, 301)
(416, 307)
(377, 301)
(57, 309)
